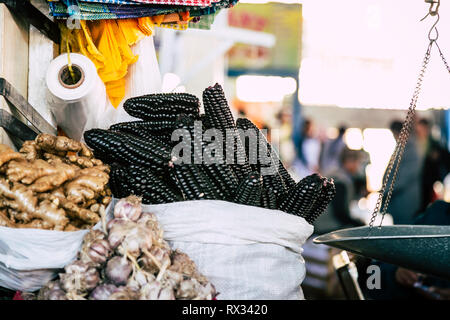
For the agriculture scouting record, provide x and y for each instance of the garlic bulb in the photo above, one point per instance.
(128, 208)
(129, 237)
(129, 261)
(52, 291)
(118, 269)
(124, 293)
(79, 278)
(155, 259)
(103, 292)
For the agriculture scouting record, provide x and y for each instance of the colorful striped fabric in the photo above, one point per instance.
(124, 9)
(199, 3)
(97, 11)
(215, 7)
(113, 2)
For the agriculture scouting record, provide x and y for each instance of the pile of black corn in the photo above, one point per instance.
(244, 169)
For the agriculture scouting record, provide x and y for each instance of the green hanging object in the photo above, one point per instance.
(424, 249)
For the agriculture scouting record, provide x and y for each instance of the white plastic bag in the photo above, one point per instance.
(29, 258)
(143, 78)
(246, 252)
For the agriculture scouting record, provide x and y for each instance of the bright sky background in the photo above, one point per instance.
(368, 53)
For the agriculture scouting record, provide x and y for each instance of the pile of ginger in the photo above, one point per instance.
(52, 183)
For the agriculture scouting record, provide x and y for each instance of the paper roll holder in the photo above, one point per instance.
(65, 78)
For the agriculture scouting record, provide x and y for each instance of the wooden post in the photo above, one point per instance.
(14, 38)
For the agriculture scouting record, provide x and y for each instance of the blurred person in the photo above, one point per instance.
(287, 148)
(337, 215)
(406, 196)
(331, 150)
(401, 283)
(307, 161)
(436, 161)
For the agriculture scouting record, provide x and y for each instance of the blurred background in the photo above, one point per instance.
(331, 81)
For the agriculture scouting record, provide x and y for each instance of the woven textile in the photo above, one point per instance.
(124, 9)
(97, 11)
(200, 3)
(113, 2)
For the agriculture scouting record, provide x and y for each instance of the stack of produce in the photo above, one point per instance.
(53, 183)
(143, 162)
(129, 261)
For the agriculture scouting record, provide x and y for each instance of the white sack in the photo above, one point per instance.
(29, 258)
(246, 252)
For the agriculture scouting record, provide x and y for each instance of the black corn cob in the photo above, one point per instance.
(147, 183)
(152, 147)
(144, 134)
(205, 122)
(268, 199)
(113, 182)
(265, 147)
(218, 115)
(216, 189)
(217, 111)
(301, 198)
(167, 112)
(167, 99)
(119, 183)
(192, 183)
(326, 195)
(187, 122)
(275, 186)
(150, 126)
(126, 148)
(264, 199)
(250, 142)
(224, 179)
(249, 191)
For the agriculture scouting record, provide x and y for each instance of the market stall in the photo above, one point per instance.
(204, 197)
(118, 191)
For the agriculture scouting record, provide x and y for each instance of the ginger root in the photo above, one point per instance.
(5, 221)
(28, 172)
(35, 224)
(62, 174)
(84, 162)
(86, 187)
(57, 144)
(71, 227)
(81, 161)
(52, 183)
(23, 217)
(86, 152)
(30, 150)
(49, 212)
(75, 212)
(7, 154)
(24, 199)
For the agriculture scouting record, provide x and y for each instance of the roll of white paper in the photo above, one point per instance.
(76, 103)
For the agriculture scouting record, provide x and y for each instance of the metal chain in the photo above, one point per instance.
(397, 155)
(443, 58)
